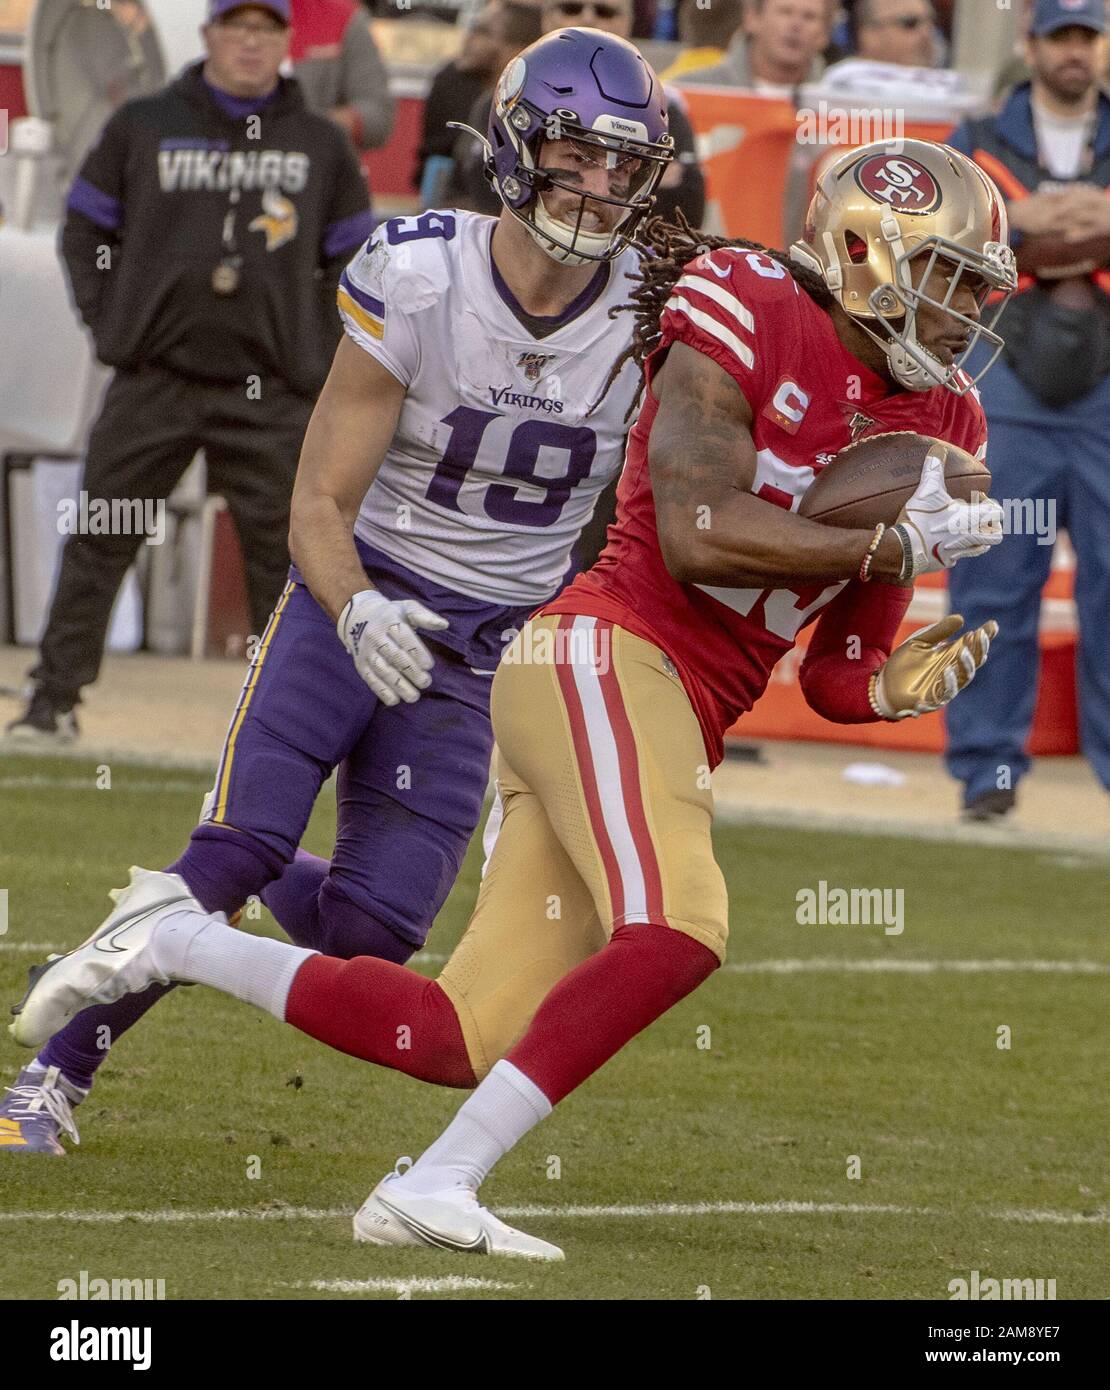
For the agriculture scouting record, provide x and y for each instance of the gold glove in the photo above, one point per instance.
(929, 669)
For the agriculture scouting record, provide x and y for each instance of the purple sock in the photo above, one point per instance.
(222, 869)
(80, 1047)
(315, 913)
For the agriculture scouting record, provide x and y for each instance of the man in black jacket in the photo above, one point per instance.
(204, 239)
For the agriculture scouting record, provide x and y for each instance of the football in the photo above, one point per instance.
(871, 481)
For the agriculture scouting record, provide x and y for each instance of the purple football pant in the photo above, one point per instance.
(410, 788)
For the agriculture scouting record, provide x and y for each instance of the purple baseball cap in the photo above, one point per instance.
(1050, 15)
(279, 8)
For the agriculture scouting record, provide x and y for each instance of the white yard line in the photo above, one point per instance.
(88, 784)
(730, 810)
(575, 1213)
(171, 1217)
(453, 1283)
(816, 965)
(880, 965)
(167, 759)
(884, 965)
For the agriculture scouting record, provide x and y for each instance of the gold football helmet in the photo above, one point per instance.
(882, 209)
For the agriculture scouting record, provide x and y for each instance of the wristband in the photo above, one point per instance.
(908, 571)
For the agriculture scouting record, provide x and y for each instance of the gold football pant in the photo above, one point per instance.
(604, 785)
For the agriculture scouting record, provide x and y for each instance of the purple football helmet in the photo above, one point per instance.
(595, 91)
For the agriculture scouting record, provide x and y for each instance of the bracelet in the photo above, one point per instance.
(865, 567)
(872, 687)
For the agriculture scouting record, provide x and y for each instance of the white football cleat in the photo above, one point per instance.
(113, 962)
(451, 1220)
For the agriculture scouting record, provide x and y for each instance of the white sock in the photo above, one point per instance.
(201, 949)
(500, 1113)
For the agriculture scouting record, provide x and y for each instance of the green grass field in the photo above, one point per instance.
(970, 1156)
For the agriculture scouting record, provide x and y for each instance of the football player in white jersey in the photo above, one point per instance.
(454, 455)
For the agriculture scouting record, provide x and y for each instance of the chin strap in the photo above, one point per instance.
(911, 372)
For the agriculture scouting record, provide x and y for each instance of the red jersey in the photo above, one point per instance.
(810, 398)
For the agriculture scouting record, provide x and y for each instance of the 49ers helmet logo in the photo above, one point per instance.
(900, 182)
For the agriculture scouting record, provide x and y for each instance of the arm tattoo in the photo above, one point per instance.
(700, 448)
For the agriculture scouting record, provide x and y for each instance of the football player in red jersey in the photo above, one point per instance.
(602, 904)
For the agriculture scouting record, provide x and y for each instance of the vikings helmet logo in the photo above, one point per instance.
(278, 219)
(900, 182)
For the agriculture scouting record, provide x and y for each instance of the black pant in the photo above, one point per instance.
(151, 425)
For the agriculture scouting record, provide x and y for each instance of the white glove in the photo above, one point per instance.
(938, 529)
(390, 658)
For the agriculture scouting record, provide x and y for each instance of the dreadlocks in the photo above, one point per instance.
(666, 248)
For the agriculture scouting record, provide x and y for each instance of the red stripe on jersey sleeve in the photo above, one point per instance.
(722, 309)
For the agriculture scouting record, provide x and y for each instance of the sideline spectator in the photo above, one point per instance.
(204, 239)
(454, 89)
(894, 31)
(1047, 402)
(337, 63)
(705, 31)
(778, 47)
(897, 46)
(460, 90)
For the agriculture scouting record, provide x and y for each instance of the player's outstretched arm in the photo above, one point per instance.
(712, 529)
(347, 438)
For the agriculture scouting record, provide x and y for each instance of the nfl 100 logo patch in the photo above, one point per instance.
(533, 363)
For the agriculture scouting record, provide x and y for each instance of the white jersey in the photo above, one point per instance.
(495, 466)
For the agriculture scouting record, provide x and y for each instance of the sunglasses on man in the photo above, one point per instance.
(908, 22)
(575, 9)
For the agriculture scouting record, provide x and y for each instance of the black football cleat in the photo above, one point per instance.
(990, 808)
(43, 721)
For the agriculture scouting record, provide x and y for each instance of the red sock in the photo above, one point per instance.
(604, 1002)
(382, 1013)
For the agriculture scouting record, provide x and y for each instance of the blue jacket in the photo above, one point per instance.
(1008, 139)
